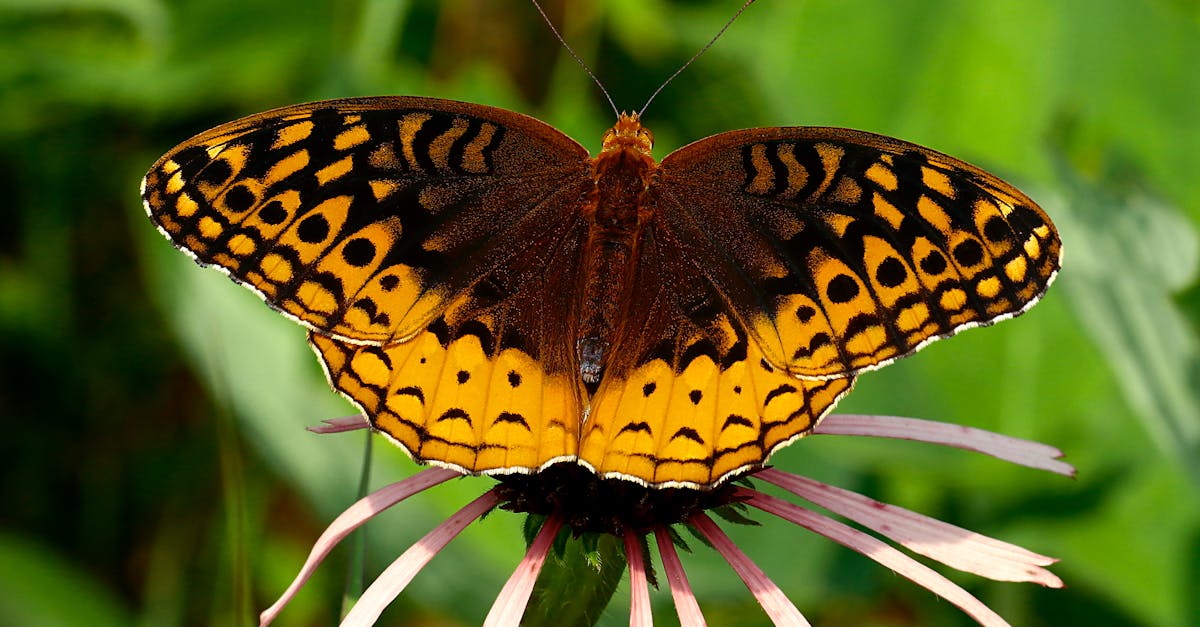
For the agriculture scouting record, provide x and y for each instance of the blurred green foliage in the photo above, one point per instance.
(156, 471)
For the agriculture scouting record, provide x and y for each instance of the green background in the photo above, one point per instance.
(155, 470)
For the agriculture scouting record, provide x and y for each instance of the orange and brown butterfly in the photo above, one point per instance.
(496, 300)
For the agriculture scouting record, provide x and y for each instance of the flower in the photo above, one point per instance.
(934, 539)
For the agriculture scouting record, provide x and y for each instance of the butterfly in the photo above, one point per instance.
(495, 300)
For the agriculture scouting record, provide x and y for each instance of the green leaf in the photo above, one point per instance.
(1129, 254)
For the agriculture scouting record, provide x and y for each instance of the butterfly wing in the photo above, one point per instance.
(840, 251)
(492, 385)
(688, 399)
(362, 218)
(412, 236)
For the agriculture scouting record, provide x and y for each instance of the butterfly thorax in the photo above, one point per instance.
(615, 214)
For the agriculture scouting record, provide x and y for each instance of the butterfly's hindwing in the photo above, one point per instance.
(690, 400)
(841, 251)
(361, 218)
(490, 385)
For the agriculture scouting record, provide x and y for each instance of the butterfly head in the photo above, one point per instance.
(629, 134)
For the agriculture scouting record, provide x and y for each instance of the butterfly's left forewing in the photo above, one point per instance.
(362, 218)
(839, 251)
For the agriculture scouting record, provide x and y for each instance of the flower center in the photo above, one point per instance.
(588, 503)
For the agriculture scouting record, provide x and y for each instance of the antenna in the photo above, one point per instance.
(689, 61)
(579, 60)
(660, 87)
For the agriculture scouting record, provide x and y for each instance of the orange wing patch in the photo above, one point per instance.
(699, 426)
(447, 402)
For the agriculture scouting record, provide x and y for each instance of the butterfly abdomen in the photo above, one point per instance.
(622, 172)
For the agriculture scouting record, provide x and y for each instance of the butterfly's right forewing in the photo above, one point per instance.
(841, 251)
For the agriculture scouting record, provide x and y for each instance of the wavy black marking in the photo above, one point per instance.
(703, 347)
(513, 418)
(434, 127)
(411, 390)
(455, 413)
(734, 420)
(735, 355)
(688, 433)
(636, 427)
(786, 388)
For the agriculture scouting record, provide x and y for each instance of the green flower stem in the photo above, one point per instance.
(354, 573)
(233, 490)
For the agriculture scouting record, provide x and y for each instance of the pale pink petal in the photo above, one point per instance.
(769, 596)
(946, 543)
(510, 604)
(685, 601)
(392, 581)
(1015, 450)
(341, 425)
(877, 550)
(639, 603)
(354, 516)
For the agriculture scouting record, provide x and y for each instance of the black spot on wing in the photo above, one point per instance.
(842, 289)
(934, 263)
(968, 253)
(313, 229)
(358, 252)
(215, 173)
(273, 213)
(891, 272)
(239, 199)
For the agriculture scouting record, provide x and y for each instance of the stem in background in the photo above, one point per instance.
(354, 572)
(233, 489)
